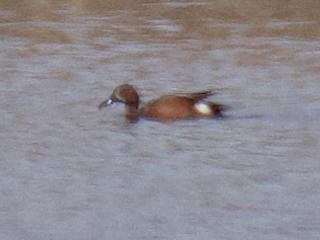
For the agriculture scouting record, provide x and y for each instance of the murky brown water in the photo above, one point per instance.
(69, 171)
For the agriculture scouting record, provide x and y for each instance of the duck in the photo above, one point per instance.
(169, 107)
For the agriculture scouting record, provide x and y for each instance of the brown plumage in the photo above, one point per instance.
(165, 108)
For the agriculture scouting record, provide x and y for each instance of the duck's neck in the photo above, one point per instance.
(132, 112)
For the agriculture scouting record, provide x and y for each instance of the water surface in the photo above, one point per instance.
(69, 171)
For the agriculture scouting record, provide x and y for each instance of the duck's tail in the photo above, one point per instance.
(217, 109)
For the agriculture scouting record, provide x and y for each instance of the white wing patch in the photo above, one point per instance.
(203, 108)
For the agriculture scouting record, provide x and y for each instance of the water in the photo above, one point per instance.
(69, 171)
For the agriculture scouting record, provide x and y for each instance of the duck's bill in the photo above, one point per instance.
(105, 103)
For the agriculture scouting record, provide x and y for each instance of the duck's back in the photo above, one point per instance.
(169, 107)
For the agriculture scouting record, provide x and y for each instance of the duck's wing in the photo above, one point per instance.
(196, 96)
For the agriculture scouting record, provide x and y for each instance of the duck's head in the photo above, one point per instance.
(124, 93)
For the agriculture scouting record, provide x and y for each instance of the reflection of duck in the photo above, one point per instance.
(165, 108)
